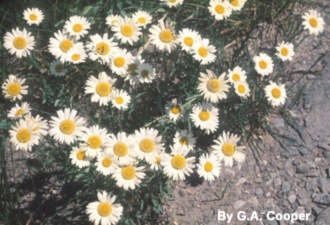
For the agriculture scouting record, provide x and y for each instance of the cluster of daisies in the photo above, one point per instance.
(128, 158)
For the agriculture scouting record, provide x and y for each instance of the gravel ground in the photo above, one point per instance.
(287, 174)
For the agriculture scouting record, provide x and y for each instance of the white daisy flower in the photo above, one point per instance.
(177, 165)
(39, 125)
(184, 139)
(213, 88)
(174, 110)
(204, 52)
(163, 36)
(111, 20)
(120, 60)
(76, 55)
(237, 5)
(67, 126)
(146, 73)
(22, 136)
(148, 143)
(227, 149)
(172, 3)
(60, 45)
(19, 110)
(313, 22)
(129, 176)
(77, 26)
(101, 48)
(33, 16)
(106, 164)
(132, 69)
(220, 9)
(121, 99)
(188, 38)
(19, 42)
(13, 88)
(155, 162)
(208, 167)
(122, 147)
(285, 51)
(237, 74)
(78, 157)
(100, 88)
(96, 139)
(275, 94)
(104, 211)
(263, 64)
(127, 31)
(242, 89)
(205, 116)
(142, 18)
(57, 68)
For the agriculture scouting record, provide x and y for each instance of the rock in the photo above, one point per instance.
(303, 197)
(259, 192)
(300, 210)
(292, 198)
(321, 198)
(324, 184)
(285, 187)
(239, 204)
(181, 193)
(328, 172)
(277, 182)
(324, 217)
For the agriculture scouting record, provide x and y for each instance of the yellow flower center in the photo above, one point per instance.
(120, 149)
(145, 73)
(241, 89)
(208, 167)
(19, 112)
(23, 135)
(202, 51)
(19, 43)
(81, 155)
(172, 1)
(146, 145)
(126, 30)
(94, 142)
(234, 2)
(313, 22)
(66, 45)
(219, 9)
(119, 100)
(142, 20)
(114, 21)
(102, 48)
(188, 41)
(183, 141)
(128, 172)
(176, 110)
(276, 93)
(119, 62)
(13, 89)
(131, 70)
(236, 77)
(213, 85)
(106, 162)
(77, 27)
(67, 127)
(263, 64)
(33, 17)
(104, 209)
(75, 57)
(204, 115)
(228, 149)
(178, 162)
(59, 68)
(284, 51)
(158, 160)
(103, 89)
(166, 36)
